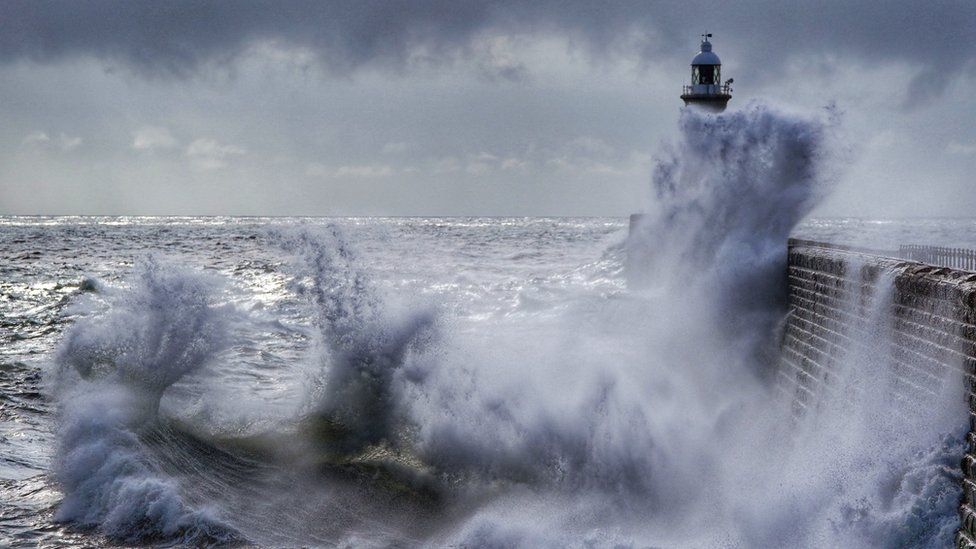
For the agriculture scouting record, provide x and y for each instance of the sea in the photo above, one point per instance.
(518, 318)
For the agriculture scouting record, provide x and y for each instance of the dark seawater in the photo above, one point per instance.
(504, 404)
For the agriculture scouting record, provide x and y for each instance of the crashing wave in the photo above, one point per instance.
(113, 368)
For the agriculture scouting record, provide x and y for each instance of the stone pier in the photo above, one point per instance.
(931, 319)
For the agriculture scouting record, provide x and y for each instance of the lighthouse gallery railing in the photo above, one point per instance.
(709, 89)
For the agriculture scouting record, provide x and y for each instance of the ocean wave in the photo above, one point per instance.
(113, 368)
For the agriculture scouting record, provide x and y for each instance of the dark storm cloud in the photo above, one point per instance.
(176, 37)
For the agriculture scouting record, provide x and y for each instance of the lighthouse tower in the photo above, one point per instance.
(707, 89)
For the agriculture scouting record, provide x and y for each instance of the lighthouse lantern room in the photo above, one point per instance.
(706, 89)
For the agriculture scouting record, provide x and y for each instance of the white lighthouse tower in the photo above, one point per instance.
(707, 89)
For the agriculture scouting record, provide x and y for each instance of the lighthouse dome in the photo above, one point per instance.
(706, 56)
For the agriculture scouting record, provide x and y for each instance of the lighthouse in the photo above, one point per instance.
(707, 89)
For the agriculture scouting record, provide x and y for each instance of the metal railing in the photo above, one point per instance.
(709, 89)
(956, 258)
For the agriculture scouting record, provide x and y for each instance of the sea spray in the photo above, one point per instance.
(726, 195)
(113, 368)
(732, 187)
(361, 345)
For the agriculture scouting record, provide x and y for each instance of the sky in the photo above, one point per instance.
(549, 107)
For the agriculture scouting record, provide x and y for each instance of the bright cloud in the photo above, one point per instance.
(153, 137)
(64, 142)
(208, 154)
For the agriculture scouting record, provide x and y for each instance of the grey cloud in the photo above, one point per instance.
(176, 37)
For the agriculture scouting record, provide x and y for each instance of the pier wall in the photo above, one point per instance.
(839, 299)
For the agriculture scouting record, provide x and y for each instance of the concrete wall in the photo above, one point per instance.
(839, 299)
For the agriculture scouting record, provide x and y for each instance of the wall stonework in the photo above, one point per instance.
(843, 300)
